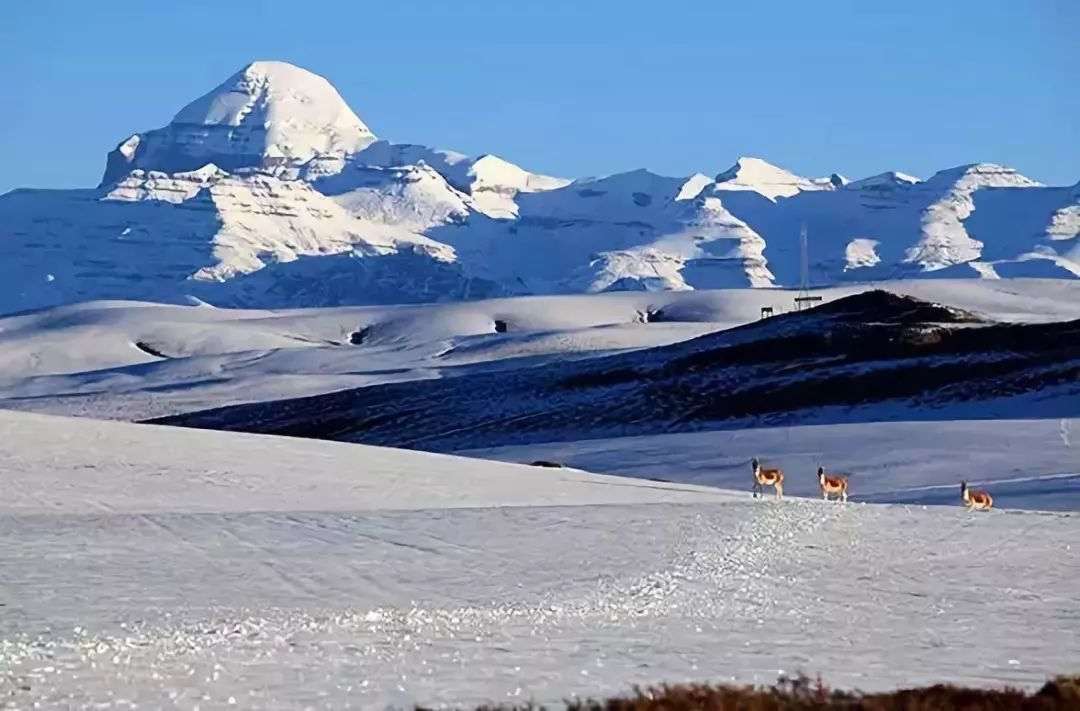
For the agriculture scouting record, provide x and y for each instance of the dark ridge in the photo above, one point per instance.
(804, 694)
(500, 326)
(149, 350)
(357, 337)
(548, 464)
(881, 306)
(593, 379)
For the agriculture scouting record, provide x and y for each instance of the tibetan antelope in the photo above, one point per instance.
(975, 499)
(767, 477)
(832, 485)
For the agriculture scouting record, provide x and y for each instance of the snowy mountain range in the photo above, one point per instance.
(269, 191)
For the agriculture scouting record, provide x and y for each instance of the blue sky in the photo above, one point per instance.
(574, 88)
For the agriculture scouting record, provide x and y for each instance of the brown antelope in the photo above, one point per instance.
(832, 484)
(767, 477)
(975, 499)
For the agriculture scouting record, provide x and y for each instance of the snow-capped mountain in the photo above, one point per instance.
(270, 191)
(772, 182)
(267, 114)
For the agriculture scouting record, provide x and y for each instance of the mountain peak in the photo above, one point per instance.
(266, 114)
(975, 175)
(266, 90)
(750, 173)
(884, 181)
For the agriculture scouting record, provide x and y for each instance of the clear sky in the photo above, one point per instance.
(573, 88)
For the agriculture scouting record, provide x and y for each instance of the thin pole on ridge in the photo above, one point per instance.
(804, 300)
(804, 266)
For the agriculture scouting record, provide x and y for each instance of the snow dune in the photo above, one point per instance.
(86, 359)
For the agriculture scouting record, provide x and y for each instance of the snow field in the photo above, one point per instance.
(280, 573)
(1032, 463)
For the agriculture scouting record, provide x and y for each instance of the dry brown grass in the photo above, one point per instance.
(803, 694)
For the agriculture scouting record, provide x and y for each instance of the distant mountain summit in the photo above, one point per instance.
(269, 191)
(766, 179)
(266, 115)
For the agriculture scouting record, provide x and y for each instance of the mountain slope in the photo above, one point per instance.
(270, 191)
(163, 236)
(960, 222)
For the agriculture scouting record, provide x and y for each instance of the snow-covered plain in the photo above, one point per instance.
(86, 359)
(173, 568)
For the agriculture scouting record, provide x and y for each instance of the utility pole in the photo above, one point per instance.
(804, 264)
(804, 299)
